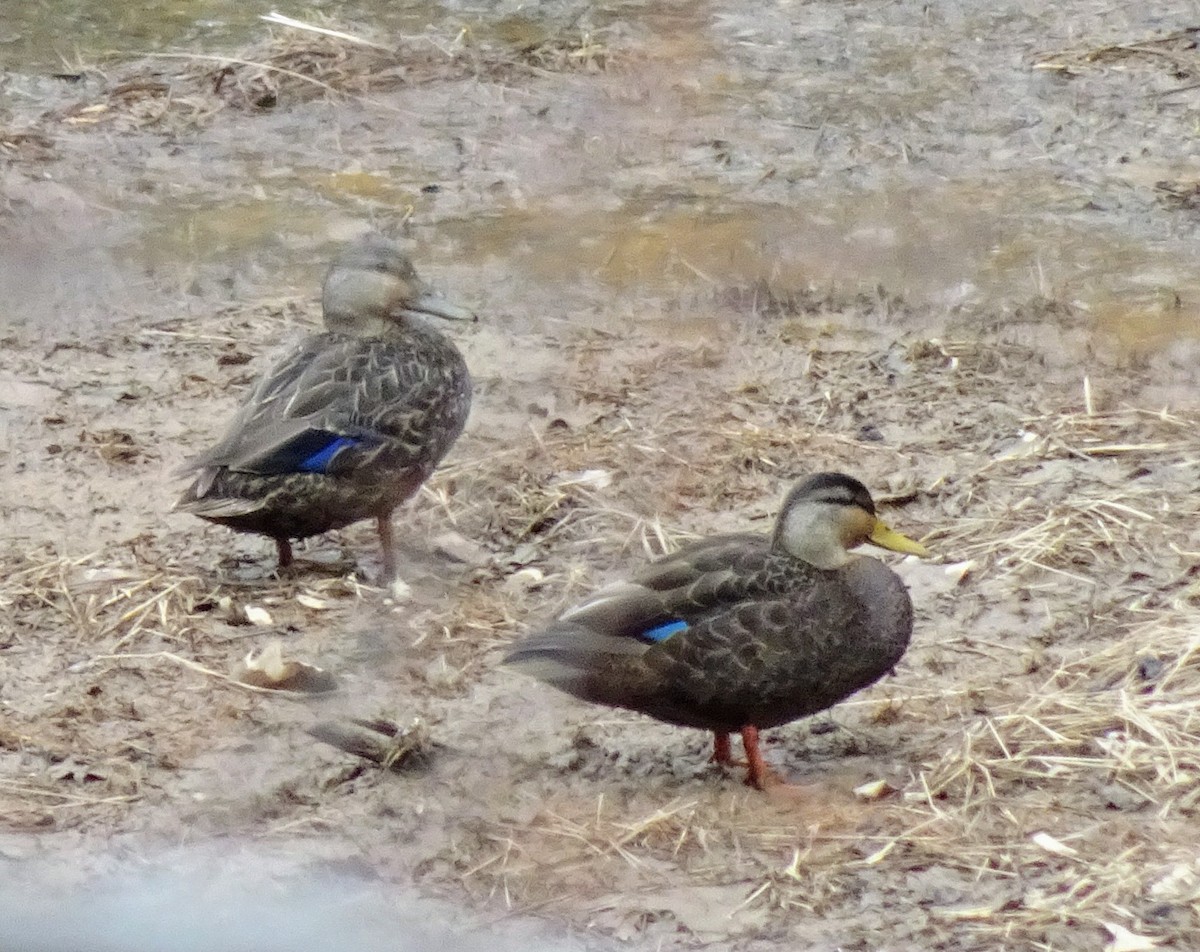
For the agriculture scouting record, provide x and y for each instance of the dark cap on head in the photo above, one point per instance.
(833, 488)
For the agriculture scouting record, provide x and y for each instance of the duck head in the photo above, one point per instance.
(827, 514)
(372, 285)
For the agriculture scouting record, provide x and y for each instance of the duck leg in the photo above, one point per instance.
(758, 774)
(722, 753)
(284, 548)
(383, 525)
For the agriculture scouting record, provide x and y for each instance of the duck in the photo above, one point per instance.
(741, 632)
(349, 423)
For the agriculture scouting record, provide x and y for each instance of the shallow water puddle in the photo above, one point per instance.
(713, 156)
(1150, 322)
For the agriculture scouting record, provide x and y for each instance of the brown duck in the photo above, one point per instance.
(350, 423)
(742, 632)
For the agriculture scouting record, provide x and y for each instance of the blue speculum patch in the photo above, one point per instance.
(319, 461)
(663, 632)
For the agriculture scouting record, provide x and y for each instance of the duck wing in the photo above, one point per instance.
(687, 584)
(681, 595)
(333, 403)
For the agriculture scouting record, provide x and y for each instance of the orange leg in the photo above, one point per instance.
(722, 753)
(758, 774)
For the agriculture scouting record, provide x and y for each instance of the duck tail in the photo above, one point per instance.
(571, 657)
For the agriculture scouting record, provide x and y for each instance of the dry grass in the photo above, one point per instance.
(1081, 792)
(1175, 52)
(1059, 495)
(99, 601)
(299, 62)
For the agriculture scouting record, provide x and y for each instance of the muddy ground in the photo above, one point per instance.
(947, 250)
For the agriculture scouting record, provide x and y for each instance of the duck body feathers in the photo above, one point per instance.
(728, 632)
(343, 428)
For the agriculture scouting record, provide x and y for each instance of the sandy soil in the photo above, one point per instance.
(765, 246)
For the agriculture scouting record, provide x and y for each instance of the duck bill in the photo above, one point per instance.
(429, 303)
(887, 538)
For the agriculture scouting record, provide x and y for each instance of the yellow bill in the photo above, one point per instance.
(887, 538)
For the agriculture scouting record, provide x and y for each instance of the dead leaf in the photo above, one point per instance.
(269, 670)
(456, 546)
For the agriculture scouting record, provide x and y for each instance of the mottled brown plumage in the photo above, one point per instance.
(742, 632)
(350, 423)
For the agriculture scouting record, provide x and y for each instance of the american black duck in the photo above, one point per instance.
(744, 631)
(351, 422)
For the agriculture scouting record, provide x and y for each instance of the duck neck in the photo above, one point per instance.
(360, 302)
(360, 325)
